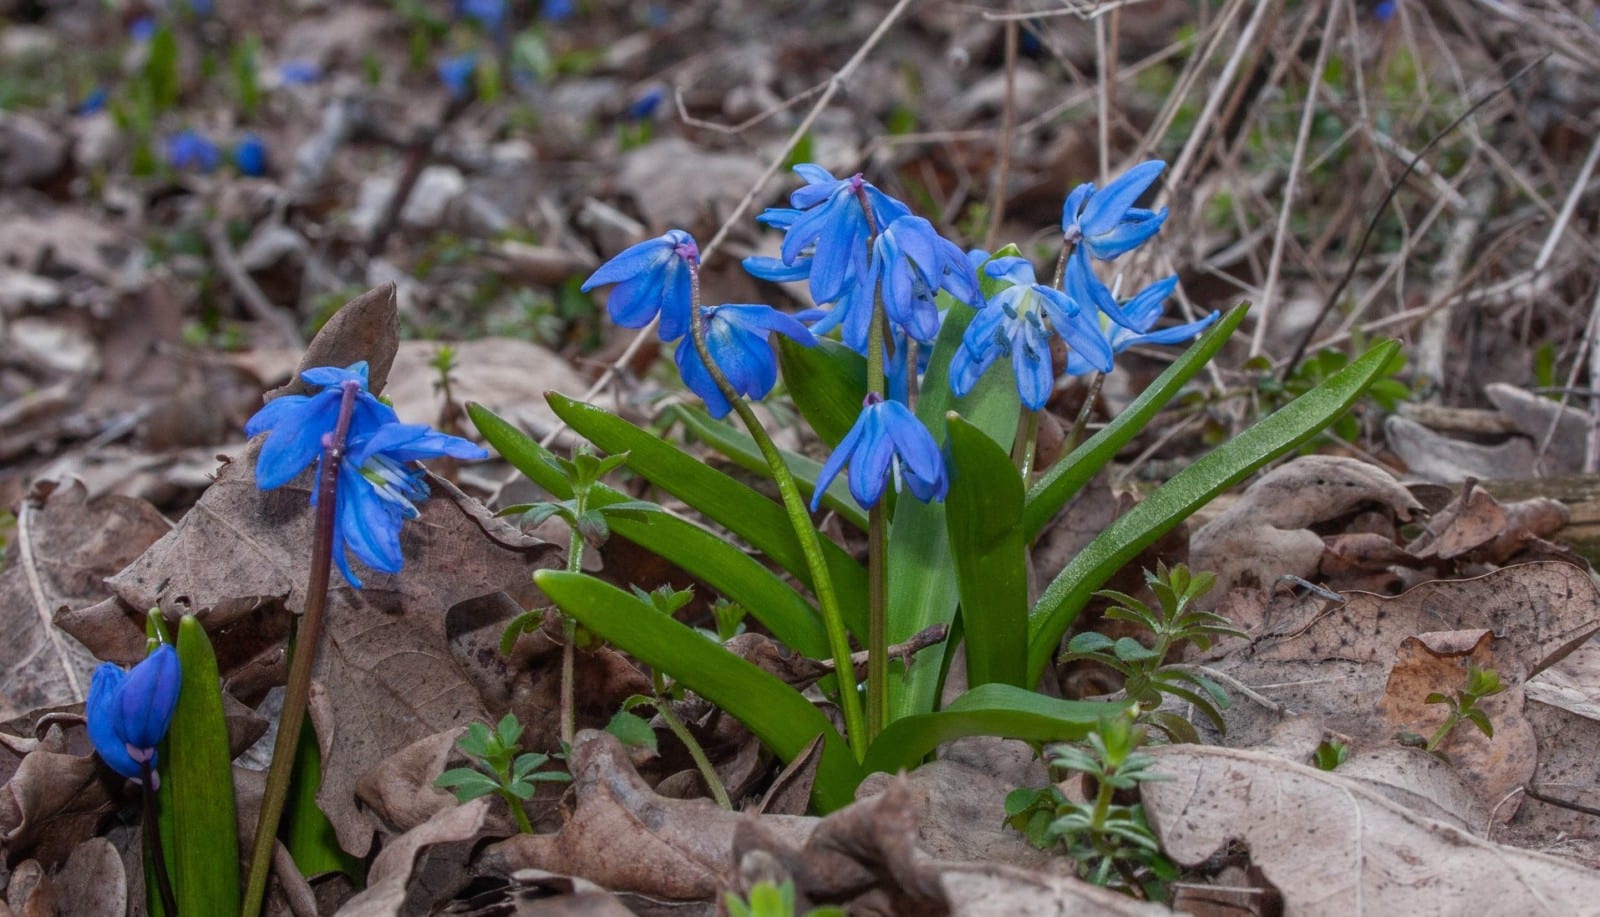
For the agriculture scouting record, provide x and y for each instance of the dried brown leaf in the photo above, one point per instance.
(391, 871)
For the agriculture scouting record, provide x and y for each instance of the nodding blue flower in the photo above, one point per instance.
(93, 103)
(739, 339)
(886, 441)
(299, 72)
(143, 29)
(491, 14)
(913, 262)
(1139, 316)
(833, 225)
(1018, 322)
(456, 75)
(1105, 221)
(250, 156)
(190, 150)
(296, 424)
(653, 278)
(379, 488)
(128, 712)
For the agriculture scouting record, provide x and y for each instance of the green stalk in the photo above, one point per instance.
(569, 633)
(303, 651)
(515, 804)
(696, 750)
(877, 532)
(1027, 441)
(1081, 422)
(799, 519)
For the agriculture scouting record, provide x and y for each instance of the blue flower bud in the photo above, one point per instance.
(128, 712)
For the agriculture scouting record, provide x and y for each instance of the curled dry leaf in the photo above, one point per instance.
(53, 802)
(1533, 415)
(399, 790)
(93, 882)
(1334, 847)
(1430, 456)
(1562, 706)
(1267, 534)
(391, 871)
(953, 806)
(536, 893)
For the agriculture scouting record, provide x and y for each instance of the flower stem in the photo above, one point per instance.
(303, 651)
(152, 840)
(1027, 441)
(569, 634)
(877, 532)
(696, 750)
(1081, 423)
(799, 520)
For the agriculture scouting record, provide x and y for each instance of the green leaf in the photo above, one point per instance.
(539, 464)
(467, 784)
(981, 514)
(632, 731)
(1090, 641)
(197, 783)
(746, 513)
(777, 714)
(307, 832)
(1189, 490)
(738, 446)
(827, 383)
(1067, 476)
(922, 575)
(990, 710)
(1131, 650)
(1480, 720)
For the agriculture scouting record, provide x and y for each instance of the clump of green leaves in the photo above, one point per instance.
(1386, 392)
(1463, 706)
(1147, 677)
(500, 770)
(769, 900)
(1112, 842)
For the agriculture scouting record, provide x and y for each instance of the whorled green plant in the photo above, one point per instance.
(499, 768)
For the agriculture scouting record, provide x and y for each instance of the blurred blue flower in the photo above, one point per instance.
(128, 712)
(1013, 324)
(296, 424)
(739, 339)
(250, 156)
(379, 488)
(93, 103)
(299, 72)
(201, 7)
(189, 150)
(913, 262)
(1139, 316)
(1385, 10)
(645, 104)
(143, 28)
(557, 10)
(886, 441)
(456, 74)
(1105, 221)
(491, 14)
(652, 278)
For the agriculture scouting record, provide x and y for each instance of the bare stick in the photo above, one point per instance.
(1008, 123)
(255, 301)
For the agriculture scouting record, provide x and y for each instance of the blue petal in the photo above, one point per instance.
(1125, 236)
(766, 319)
(745, 358)
(693, 372)
(332, 376)
(967, 367)
(1086, 289)
(102, 709)
(639, 258)
(869, 466)
(1074, 205)
(1107, 207)
(637, 300)
(1144, 309)
(1078, 327)
(677, 297)
(148, 697)
(912, 441)
(1030, 361)
(775, 270)
(296, 438)
(1011, 269)
(369, 524)
(1174, 335)
(837, 460)
(415, 442)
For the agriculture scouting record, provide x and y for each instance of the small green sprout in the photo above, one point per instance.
(1481, 683)
(500, 769)
(768, 900)
(1330, 754)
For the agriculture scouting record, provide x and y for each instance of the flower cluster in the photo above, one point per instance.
(1024, 315)
(656, 280)
(128, 712)
(379, 484)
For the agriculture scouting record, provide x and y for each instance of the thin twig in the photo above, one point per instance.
(1261, 700)
(255, 301)
(1008, 122)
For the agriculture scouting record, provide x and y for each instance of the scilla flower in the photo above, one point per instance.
(188, 150)
(379, 487)
(652, 278)
(913, 263)
(1138, 316)
(1018, 322)
(250, 156)
(296, 424)
(886, 441)
(456, 74)
(128, 712)
(739, 339)
(1104, 221)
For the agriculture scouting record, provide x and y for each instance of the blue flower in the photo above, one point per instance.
(887, 439)
(191, 150)
(128, 712)
(296, 424)
(1385, 10)
(299, 72)
(645, 104)
(652, 278)
(379, 488)
(93, 103)
(556, 10)
(456, 74)
(738, 337)
(250, 156)
(143, 29)
(1105, 221)
(1139, 316)
(490, 14)
(1013, 323)
(913, 262)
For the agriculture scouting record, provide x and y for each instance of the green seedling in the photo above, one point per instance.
(1330, 754)
(499, 769)
(1463, 706)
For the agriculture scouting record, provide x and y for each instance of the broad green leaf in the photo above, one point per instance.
(777, 714)
(197, 784)
(922, 576)
(981, 514)
(1067, 476)
(1189, 490)
(307, 832)
(738, 446)
(706, 556)
(746, 513)
(990, 710)
(827, 383)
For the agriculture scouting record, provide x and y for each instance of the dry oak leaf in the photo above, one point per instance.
(1334, 847)
(391, 871)
(385, 675)
(1266, 534)
(1563, 704)
(53, 802)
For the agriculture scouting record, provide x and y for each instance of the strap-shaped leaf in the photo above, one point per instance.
(738, 446)
(778, 715)
(746, 513)
(990, 557)
(1189, 490)
(991, 710)
(704, 555)
(1067, 476)
(827, 383)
